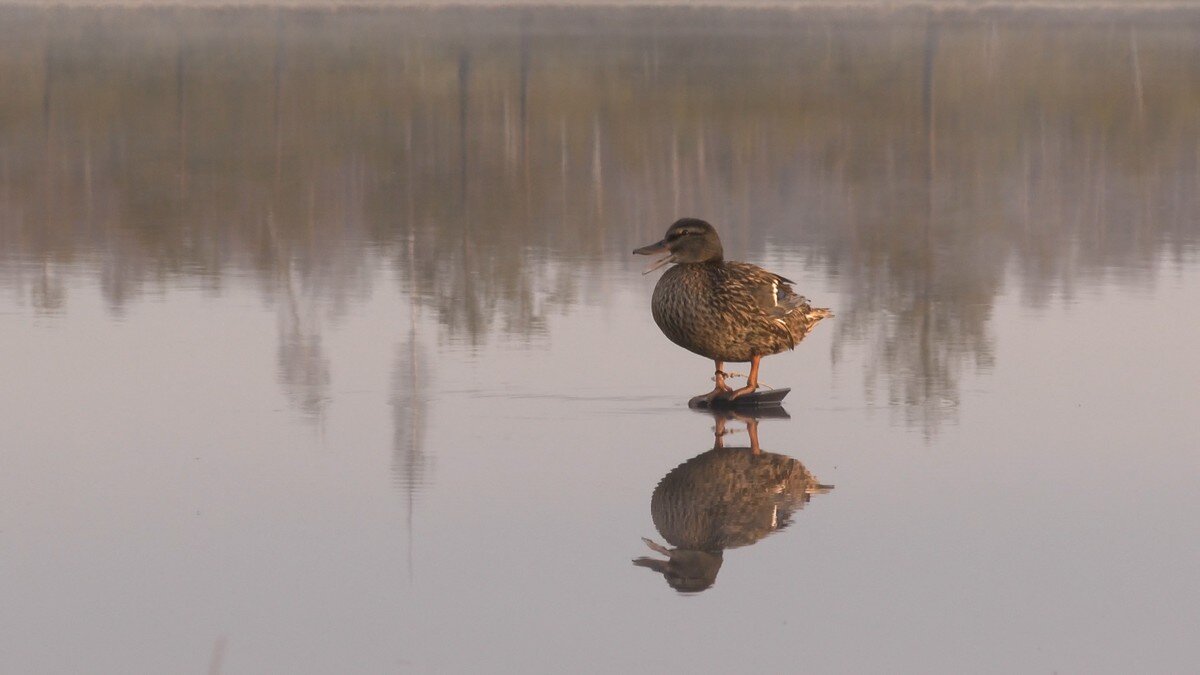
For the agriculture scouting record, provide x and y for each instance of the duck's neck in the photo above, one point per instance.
(700, 266)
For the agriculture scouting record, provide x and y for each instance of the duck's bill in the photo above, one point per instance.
(655, 249)
(657, 547)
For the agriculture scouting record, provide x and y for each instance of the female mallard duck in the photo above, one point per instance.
(726, 311)
(722, 499)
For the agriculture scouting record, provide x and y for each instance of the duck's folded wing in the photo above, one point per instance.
(775, 297)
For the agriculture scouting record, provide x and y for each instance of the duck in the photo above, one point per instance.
(724, 498)
(729, 312)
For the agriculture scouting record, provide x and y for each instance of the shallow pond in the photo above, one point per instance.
(324, 350)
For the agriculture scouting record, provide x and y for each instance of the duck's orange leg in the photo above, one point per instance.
(751, 423)
(721, 389)
(752, 429)
(751, 380)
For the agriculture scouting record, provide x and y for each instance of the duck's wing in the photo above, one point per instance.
(774, 295)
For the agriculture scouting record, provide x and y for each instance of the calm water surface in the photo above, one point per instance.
(323, 349)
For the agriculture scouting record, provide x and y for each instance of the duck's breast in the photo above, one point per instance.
(704, 310)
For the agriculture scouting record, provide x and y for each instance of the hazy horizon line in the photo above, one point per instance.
(889, 5)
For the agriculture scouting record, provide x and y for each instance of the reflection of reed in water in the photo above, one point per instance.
(937, 163)
(302, 366)
(723, 498)
(411, 379)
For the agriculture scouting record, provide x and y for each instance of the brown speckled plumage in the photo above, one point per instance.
(730, 497)
(726, 311)
(731, 311)
(722, 499)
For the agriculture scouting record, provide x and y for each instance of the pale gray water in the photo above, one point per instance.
(323, 349)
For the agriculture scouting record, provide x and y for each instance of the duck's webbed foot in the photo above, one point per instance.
(751, 382)
(721, 390)
(705, 400)
(731, 395)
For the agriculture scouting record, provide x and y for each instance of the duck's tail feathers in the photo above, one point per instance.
(811, 315)
(808, 316)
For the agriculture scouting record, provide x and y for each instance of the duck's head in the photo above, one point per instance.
(688, 240)
(686, 570)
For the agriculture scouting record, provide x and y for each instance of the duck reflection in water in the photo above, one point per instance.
(724, 498)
